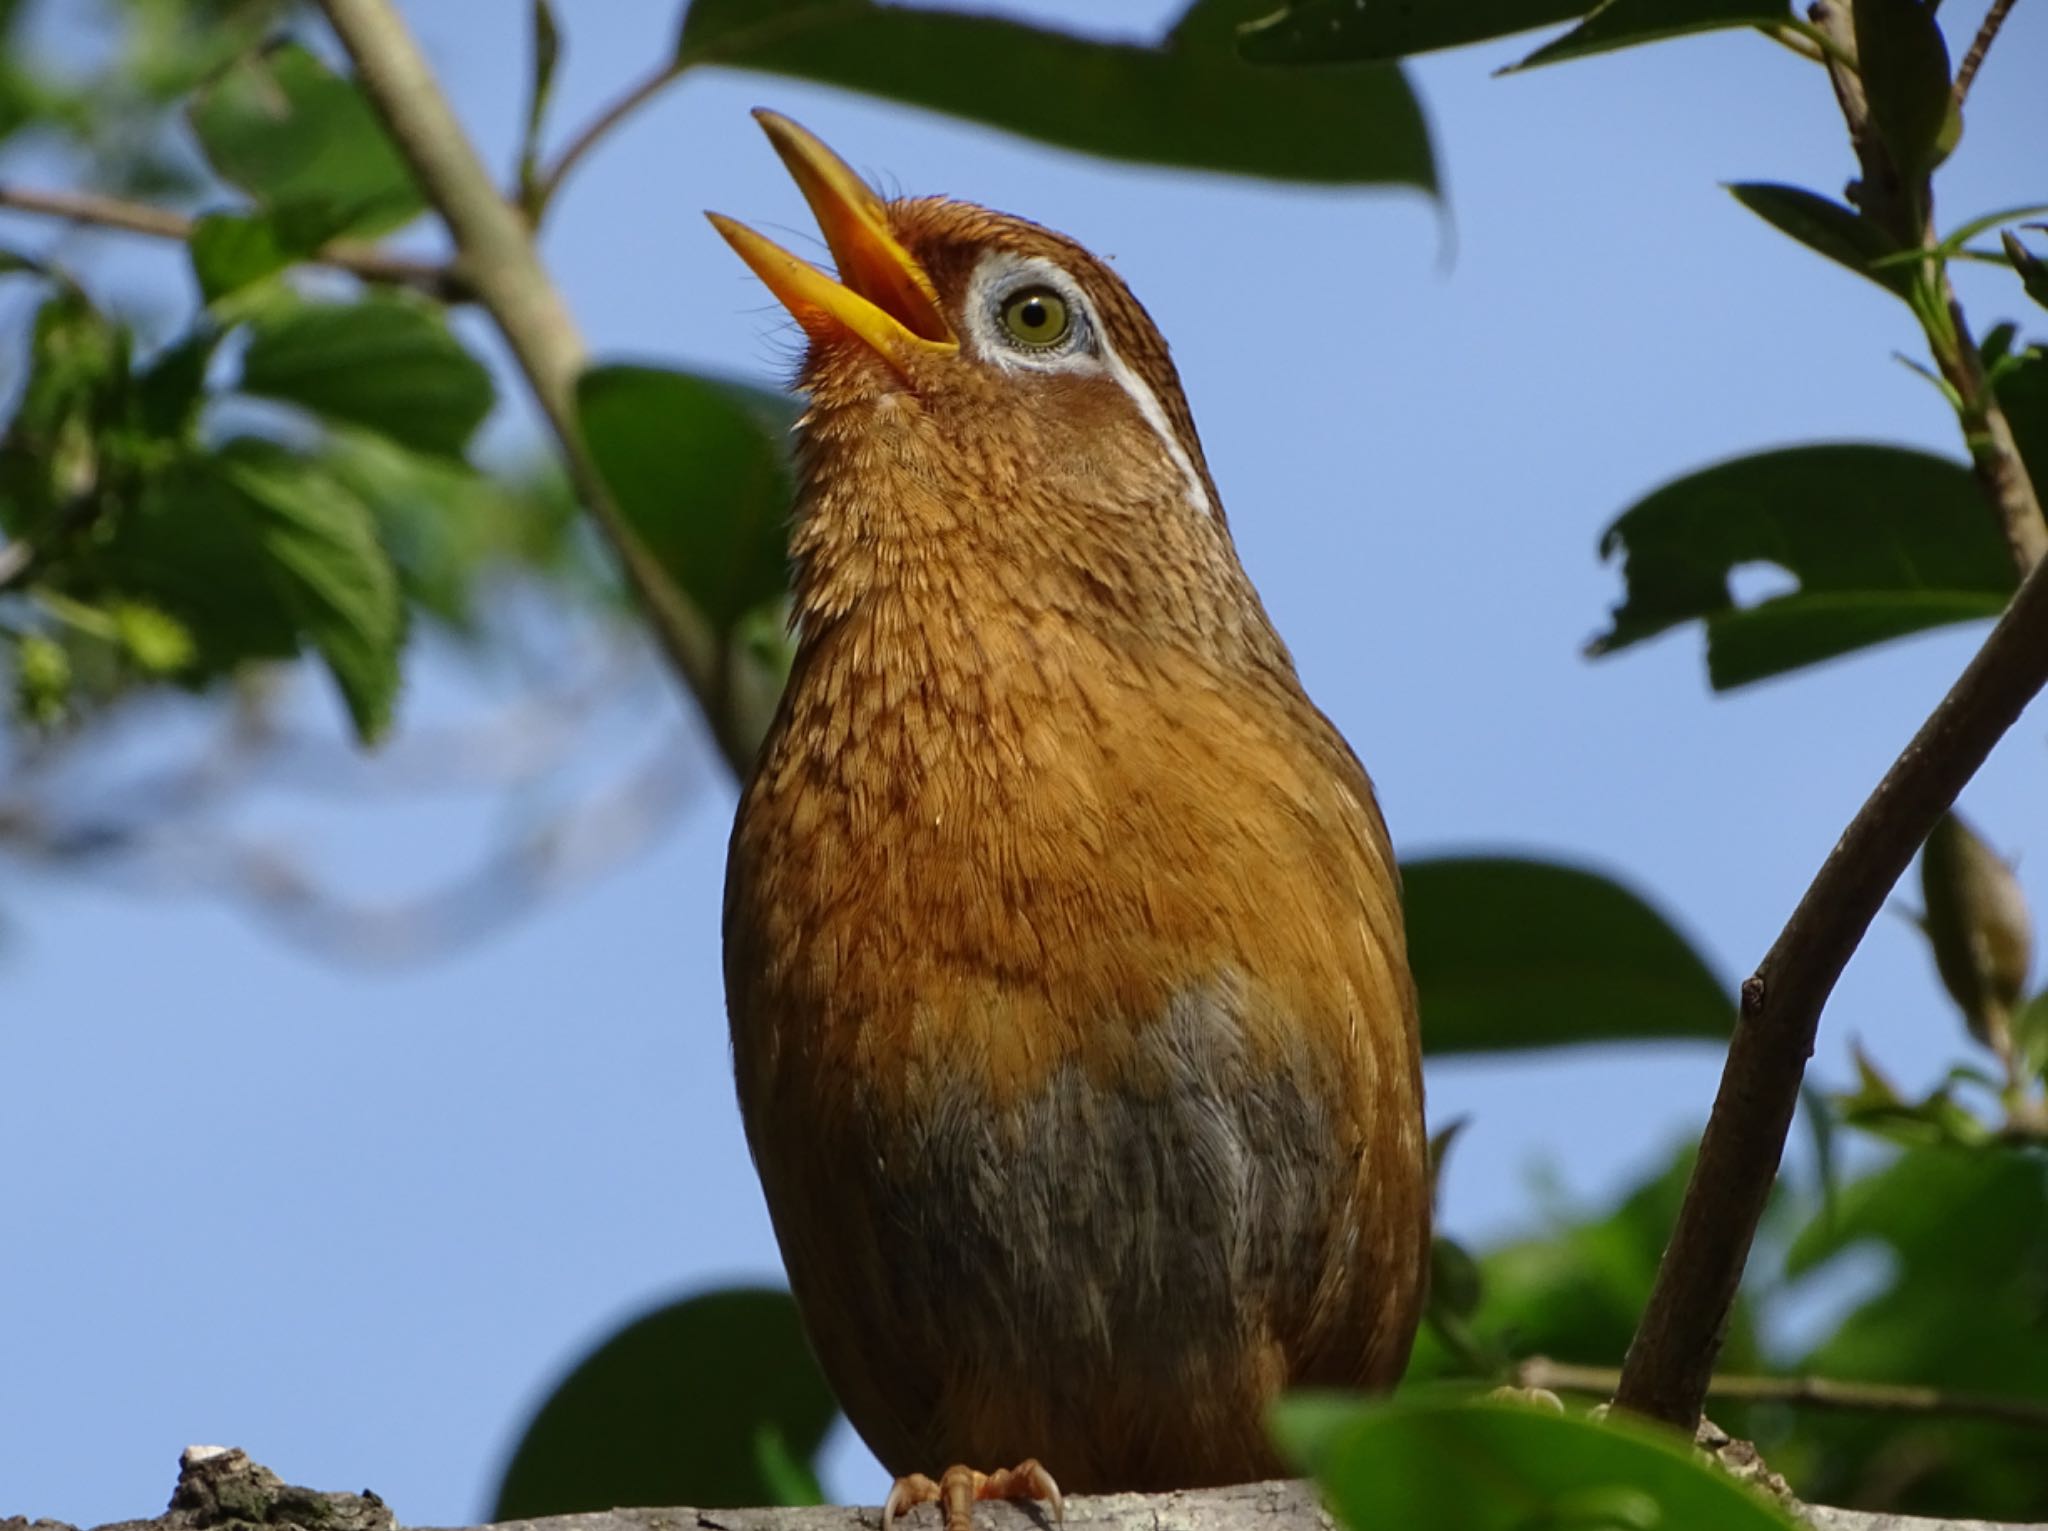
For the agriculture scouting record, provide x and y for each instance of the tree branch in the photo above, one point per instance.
(365, 261)
(1812, 1392)
(599, 127)
(1672, 1355)
(217, 1486)
(495, 250)
(1980, 45)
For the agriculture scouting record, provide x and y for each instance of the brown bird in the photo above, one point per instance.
(1063, 950)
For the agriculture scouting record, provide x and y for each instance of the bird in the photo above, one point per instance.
(1073, 1031)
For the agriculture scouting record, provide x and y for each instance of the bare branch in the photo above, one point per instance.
(1672, 1355)
(598, 128)
(365, 261)
(1966, 72)
(1812, 1392)
(495, 247)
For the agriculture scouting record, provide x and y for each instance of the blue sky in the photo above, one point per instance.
(357, 1222)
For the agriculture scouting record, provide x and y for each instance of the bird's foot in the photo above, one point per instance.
(959, 1487)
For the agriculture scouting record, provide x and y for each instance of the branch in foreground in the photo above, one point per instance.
(1671, 1358)
(364, 261)
(495, 250)
(1812, 1392)
(222, 1487)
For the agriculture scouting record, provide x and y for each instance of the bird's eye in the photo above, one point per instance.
(1036, 317)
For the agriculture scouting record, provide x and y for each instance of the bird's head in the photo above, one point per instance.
(978, 379)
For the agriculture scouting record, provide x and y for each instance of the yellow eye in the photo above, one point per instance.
(1036, 316)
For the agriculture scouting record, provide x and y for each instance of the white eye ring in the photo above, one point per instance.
(998, 282)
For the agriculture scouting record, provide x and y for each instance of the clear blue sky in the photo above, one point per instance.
(356, 1223)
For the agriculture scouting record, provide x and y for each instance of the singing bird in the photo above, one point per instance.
(1070, 1007)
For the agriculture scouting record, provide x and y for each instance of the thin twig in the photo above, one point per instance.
(1980, 45)
(1672, 1355)
(495, 245)
(372, 265)
(1812, 1392)
(588, 137)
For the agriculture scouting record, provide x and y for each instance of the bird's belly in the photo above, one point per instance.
(1112, 1269)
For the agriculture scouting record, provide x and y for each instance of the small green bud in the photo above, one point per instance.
(1978, 924)
(158, 643)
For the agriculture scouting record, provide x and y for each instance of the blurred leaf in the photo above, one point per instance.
(2021, 384)
(672, 1410)
(170, 390)
(385, 362)
(71, 403)
(231, 251)
(1964, 1306)
(1574, 1289)
(1840, 233)
(1344, 31)
(1877, 1107)
(1627, 23)
(1903, 61)
(788, 1481)
(1883, 542)
(1978, 925)
(156, 642)
(1187, 100)
(321, 548)
(1500, 1467)
(1512, 954)
(293, 134)
(42, 680)
(2030, 1036)
(701, 470)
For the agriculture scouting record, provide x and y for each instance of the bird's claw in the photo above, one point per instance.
(959, 1487)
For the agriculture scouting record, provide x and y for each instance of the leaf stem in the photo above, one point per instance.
(495, 246)
(95, 211)
(597, 129)
(1966, 72)
(1814, 1392)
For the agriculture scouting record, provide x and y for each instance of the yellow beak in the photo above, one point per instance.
(882, 295)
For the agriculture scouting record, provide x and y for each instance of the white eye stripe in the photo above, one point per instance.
(1087, 349)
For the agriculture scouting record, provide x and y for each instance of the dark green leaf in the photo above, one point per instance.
(1188, 100)
(293, 134)
(386, 363)
(2032, 270)
(1511, 954)
(1883, 542)
(1627, 23)
(1904, 64)
(1342, 31)
(672, 1409)
(2021, 384)
(171, 389)
(231, 251)
(1840, 233)
(320, 546)
(701, 469)
(1503, 1467)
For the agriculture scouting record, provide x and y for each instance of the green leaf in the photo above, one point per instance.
(1840, 233)
(320, 547)
(672, 1409)
(1186, 100)
(293, 134)
(385, 362)
(2021, 385)
(701, 470)
(1344, 31)
(1883, 542)
(1505, 1467)
(1511, 954)
(1628, 23)
(1903, 61)
(231, 251)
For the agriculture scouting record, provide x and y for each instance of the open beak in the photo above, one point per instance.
(882, 295)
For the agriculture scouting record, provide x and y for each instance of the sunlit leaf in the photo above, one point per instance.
(1186, 100)
(1511, 954)
(700, 467)
(1882, 542)
(384, 362)
(1502, 1467)
(293, 134)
